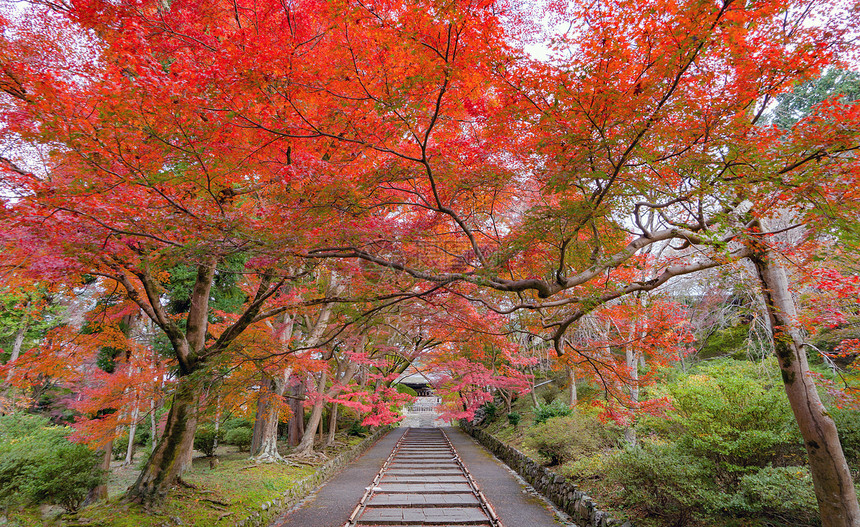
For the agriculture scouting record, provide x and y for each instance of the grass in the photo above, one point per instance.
(220, 496)
(232, 491)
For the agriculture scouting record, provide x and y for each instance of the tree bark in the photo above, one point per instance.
(132, 430)
(264, 403)
(573, 396)
(153, 425)
(332, 425)
(267, 449)
(17, 345)
(834, 487)
(306, 446)
(171, 456)
(297, 420)
(632, 359)
(100, 492)
(217, 426)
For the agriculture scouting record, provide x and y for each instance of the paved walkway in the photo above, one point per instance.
(336, 500)
(423, 482)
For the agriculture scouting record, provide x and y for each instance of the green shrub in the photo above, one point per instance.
(514, 418)
(848, 425)
(488, 412)
(733, 414)
(585, 467)
(725, 341)
(141, 433)
(39, 465)
(204, 439)
(723, 451)
(120, 447)
(782, 493)
(563, 438)
(236, 422)
(545, 412)
(402, 388)
(239, 437)
(666, 482)
(120, 444)
(356, 429)
(64, 477)
(549, 392)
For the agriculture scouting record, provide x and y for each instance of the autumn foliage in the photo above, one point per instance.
(308, 196)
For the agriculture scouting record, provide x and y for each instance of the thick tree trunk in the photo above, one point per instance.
(173, 453)
(297, 420)
(267, 449)
(100, 492)
(264, 403)
(307, 444)
(834, 487)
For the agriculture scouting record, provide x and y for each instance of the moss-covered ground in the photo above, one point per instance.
(236, 488)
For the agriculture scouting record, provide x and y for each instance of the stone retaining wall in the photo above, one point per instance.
(270, 509)
(564, 495)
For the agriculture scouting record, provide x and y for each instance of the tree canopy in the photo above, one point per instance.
(249, 175)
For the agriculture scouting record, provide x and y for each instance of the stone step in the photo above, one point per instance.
(424, 471)
(424, 516)
(431, 488)
(435, 457)
(423, 478)
(424, 500)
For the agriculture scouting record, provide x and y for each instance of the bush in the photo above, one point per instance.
(782, 493)
(514, 418)
(491, 411)
(402, 388)
(666, 482)
(585, 467)
(39, 465)
(356, 429)
(204, 439)
(733, 414)
(545, 412)
(120, 444)
(120, 447)
(724, 451)
(563, 438)
(236, 422)
(141, 433)
(239, 437)
(549, 392)
(848, 425)
(64, 477)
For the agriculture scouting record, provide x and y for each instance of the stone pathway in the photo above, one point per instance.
(333, 503)
(423, 482)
